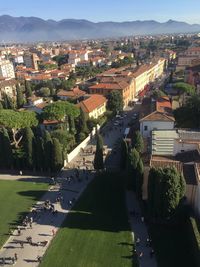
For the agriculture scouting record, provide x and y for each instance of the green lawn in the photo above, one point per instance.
(16, 198)
(96, 233)
(171, 246)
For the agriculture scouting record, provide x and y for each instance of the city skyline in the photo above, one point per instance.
(128, 10)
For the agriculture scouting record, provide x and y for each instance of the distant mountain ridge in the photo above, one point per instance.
(25, 29)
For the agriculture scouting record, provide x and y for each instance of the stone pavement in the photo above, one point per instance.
(139, 230)
(45, 223)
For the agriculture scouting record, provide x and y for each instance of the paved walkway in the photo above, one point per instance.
(45, 223)
(139, 230)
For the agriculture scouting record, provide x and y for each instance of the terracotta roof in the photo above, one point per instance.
(92, 102)
(163, 162)
(74, 93)
(42, 105)
(113, 86)
(163, 104)
(158, 116)
(163, 111)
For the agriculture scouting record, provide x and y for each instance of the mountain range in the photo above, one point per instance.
(29, 29)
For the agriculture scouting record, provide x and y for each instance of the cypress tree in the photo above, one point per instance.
(47, 150)
(72, 128)
(57, 155)
(28, 147)
(133, 160)
(1, 105)
(139, 177)
(137, 141)
(20, 97)
(39, 154)
(124, 154)
(98, 158)
(28, 89)
(83, 123)
(6, 157)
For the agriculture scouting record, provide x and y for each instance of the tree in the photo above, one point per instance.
(6, 157)
(28, 147)
(124, 154)
(66, 140)
(51, 87)
(20, 97)
(83, 123)
(72, 128)
(98, 158)
(1, 105)
(44, 91)
(67, 85)
(28, 90)
(188, 115)
(47, 141)
(115, 102)
(139, 177)
(57, 155)
(185, 88)
(137, 141)
(133, 160)
(16, 121)
(60, 110)
(8, 102)
(39, 156)
(166, 189)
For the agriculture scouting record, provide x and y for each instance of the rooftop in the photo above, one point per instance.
(92, 102)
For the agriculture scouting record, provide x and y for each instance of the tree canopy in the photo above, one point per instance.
(17, 120)
(188, 116)
(185, 88)
(59, 110)
(166, 188)
(137, 141)
(115, 102)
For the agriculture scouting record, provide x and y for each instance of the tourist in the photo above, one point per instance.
(152, 253)
(140, 254)
(21, 244)
(16, 256)
(53, 232)
(137, 241)
(19, 231)
(39, 258)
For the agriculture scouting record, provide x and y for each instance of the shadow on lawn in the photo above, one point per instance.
(133, 255)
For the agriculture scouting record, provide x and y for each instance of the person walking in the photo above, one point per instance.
(53, 232)
(16, 256)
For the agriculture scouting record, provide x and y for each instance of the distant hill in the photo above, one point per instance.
(23, 29)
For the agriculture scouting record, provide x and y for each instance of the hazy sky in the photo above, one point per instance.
(105, 10)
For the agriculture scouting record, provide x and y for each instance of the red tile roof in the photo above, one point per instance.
(74, 93)
(92, 102)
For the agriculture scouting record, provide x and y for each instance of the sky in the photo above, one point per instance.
(105, 10)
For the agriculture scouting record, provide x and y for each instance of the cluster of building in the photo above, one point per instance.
(168, 146)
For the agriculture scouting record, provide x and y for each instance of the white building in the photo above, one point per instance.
(6, 69)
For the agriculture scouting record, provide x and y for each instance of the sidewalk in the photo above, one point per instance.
(139, 230)
(45, 223)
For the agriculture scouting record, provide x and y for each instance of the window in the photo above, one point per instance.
(145, 128)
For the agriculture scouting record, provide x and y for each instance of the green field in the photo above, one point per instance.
(96, 233)
(16, 198)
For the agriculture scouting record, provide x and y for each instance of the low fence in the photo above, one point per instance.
(81, 146)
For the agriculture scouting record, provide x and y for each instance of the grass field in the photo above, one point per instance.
(16, 198)
(96, 233)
